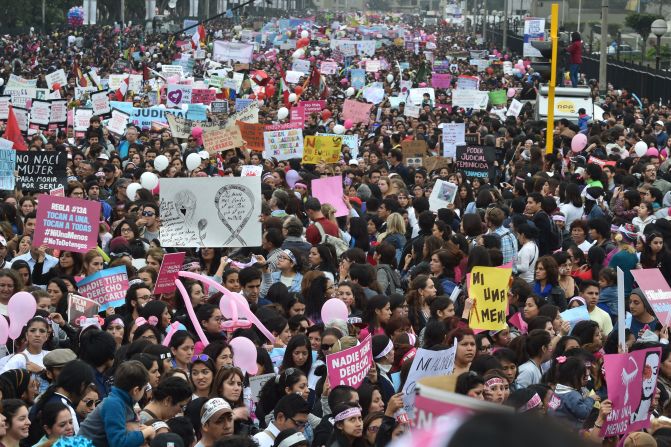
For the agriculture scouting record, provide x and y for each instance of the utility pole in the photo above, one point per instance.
(505, 26)
(554, 25)
(534, 8)
(603, 57)
(123, 13)
(44, 15)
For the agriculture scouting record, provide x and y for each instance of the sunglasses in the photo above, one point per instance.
(326, 347)
(148, 213)
(91, 403)
(201, 357)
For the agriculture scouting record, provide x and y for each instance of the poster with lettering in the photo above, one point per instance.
(358, 78)
(218, 106)
(414, 148)
(442, 194)
(40, 114)
(348, 141)
(657, 292)
(632, 381)
(252, 134)
(471, 161)
(41, 171)
(465, 82)
(22, 118)
(498, 97)
(453, 135)
(172, 70)
(470, 99)
(426, 363)
(321, 149)
(189, 218)
(350, 366)
(203, 96)
(170, 266)
(178, 94)
(283, 144)
(251, 171)
(7, 167)
(358, 112)
(328, 67)
(232, 51)
(312, 106)
(488, 286)
(181, 127)
(372, 66)
(100, 101)
(242, 103)
(59, 113)
(441, 80)
(301, 65)
(297, 116)
(217, 140)
(515, 108)
(82, 120)
(57, 77)
(67, 223)
(117, 124)
(4, 107)
(330, 190)
(107, 287)
(412, 110)
(79, 307)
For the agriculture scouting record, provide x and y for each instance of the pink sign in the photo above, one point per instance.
(350, 366)
(657, 291)
(312, 106)
(358, 112)
(632, 380)
(203, 96)
(171, 265)
(60, 192)
(427, 410)
(329, 190)
(517, 321)
(283, 126)
(441, 80)
(67, 223)
(298, 116)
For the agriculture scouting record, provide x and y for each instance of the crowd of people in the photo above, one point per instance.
(562, 221)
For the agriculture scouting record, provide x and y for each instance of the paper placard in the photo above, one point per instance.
(453, 135)
(251, 171)
(170, 266)
(7, 166)
(252, 134)
(107, 287)
(442, 194)
(217, 140)
(471, 160)
(67, 223)
(330, 190)
(488, 286)
(283, 144)
(100, 102)
(470, 99)
(41, 171)
(232, 51)
(350, 366)
(57, 77)
(78, 307)
(426, 363)
(358, 112)
(178, 94)
(321, 149)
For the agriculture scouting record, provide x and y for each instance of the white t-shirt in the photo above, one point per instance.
(18, 361)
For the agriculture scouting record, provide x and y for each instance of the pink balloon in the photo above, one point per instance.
(348, 124)
(334, 309)
(4, 330)
(191, 312)
(511, 92)
(578, 142)
(244, 355)
(21, 307)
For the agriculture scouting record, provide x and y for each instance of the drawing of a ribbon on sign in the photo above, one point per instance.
(231, 202)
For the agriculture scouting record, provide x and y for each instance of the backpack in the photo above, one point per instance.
(339, 245)
(393, 279)
(555, 236)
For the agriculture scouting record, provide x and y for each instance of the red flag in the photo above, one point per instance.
(198, 37)
(145, 72)
(120, 94)
(13, 133)
(220, 164)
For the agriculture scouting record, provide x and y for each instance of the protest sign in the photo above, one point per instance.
(218, 106)
(283, 144)
(181, 127)
(575, 315)
(178, 94)
(435, 163)
(426, 363)
(4, 107)
(293, 77)
(242, 103)
(372, 66)
(217, 140)
(373, 95)
(143, 118)
(412, 110)
(22, 118)
(203, 96)
(297, 116)
(470, 99)
(321, 149)
(40, 114)
(170, 71)
(232, 51)
(67, 223)
(467, 83)
(251, 171)
(100, 102)
(358, 112)
(534, 29)
(498, 97)
(488, 286)
(249, 114)
(252, 134)
(82, 119)
(471, 161)
(6, 144)
(60, 192)
(328, 67)
(515, 108)
(59, 113)
(311, 107)
(657, 292)
(350, 366)
(453, 135)
(632, 380)
(189, 219)
(414, 148)
(170, 266)
(441, 80)
(18, 81)
(358, 78)
(41, 171)
(57, 77)
(349, 141)
(301, 65)
(256, 383)
(107, 287)
(7, 167)
(442, 194)
(329, 190)
(78, 307)
(416, 95)
(118, 123)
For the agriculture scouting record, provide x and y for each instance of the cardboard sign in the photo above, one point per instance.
(7, 167)
(78, 307)
(489, 287)
(426, 363)
(435, 163)
(181, 127)
(632, 381)
(41, 171)
(283, 144)
(250, 114)
(222, 139)
(350, 366)
(321, 149)
(252, 134)
(330, 190)
(442, 194)
(67, 223)
(414, 148)
(107, 287)
(256, 383)
(657, 292)
(171, 265)
(358, 112)
(471, 161)
(189, 218)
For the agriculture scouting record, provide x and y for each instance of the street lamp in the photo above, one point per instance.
(658, 28)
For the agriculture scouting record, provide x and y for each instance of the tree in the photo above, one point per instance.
(641, 23)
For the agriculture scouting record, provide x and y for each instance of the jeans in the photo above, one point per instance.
(574, 69)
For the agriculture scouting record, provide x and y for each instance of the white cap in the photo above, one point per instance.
(204, 155)
(104, 157)
(212, 407)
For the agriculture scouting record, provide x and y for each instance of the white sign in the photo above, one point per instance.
(515, 108)
(57, 77)
(100, 102)
(412, 110)
(372, 66)
(117, 124)
(301, 65)
(256, 383)
(426, 364)
(293, 77)
(416, 95)
(251, 171)
(373, 95)
(82, 119)
(442, 194)
(40, 113)
(453, 135)
(178, 94)
(470, 99)
(172, 70)
(232, 51)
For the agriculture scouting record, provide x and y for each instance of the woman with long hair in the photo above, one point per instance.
(69, 263)
(92, 263)
(546, 284)
(318, 292)
(653, 253)
(442, 265)
(420, 295)
(323, 258)
(347, 428)
(395, 234)
(376, 315)
(17, 424)
(624, 256)
(571, 205)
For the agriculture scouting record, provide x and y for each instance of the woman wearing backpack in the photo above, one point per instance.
(387, 276)
(395, 234)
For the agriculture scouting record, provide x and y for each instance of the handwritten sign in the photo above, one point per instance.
(283, 144)
(329, 67)
(301, 65)
(470, 99)
(251, 171)
(471, 160)
(426, 363)
(358, 112)
(170, 266)
(78, 307)
(318, 149)
(312, 106)
(181, 127)
(57, 77)
(178, 94)
(350, 366)
(100, 102)
(232, 51)
(358, 78)
(252, 134)
(489, 287)
(468, 82)
(41, 171)
(222, 139)
(107, 287)
(7, 167)
(203, 96)
(632, 381)
(372, 66)
(498, 97)
(657, 292)
(40, 114)
(515, 108)
(413, 148)
(453, 135)
(257, 382)
(349, 141)
(67, 223)
(297, 116)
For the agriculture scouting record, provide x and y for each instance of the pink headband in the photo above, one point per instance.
(533, 403)
(558, 217)
(140, 321)
(118, 321)
(579, 299)
(301, 185)
(350, 412)
(493, 381)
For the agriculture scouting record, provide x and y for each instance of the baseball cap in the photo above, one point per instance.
(103, 157)
(58, 358)
(212, 407)
(659, 123)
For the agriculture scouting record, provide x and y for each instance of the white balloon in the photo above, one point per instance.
(132, 189)
(161, 106)
(641, 148)
(149, 180)
(159, 65)
(2, 82)
(298, 53)
(390, 78)
(185, 107)
(339, 129)
(292, 97)
(282, 113)
(349, 92)
(305, 34)
(161, 163)
(193, 161)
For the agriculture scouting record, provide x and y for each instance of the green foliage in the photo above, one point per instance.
(641, 23)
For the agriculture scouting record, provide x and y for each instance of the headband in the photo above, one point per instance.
(118, 321)
(579, 299)
(266, 176)
(531, 404)
(588, 196)
(350, 412)
(213, 406)
(152, 321)
(558, 217)
(191, 265)
(293, 440)
(493, 381)
(290, 255)
(299, 184)
(159, 425)
(132, 282)
(385, 351)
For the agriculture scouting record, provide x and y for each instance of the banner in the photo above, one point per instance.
(7, 167)
(41, 171)
(232, 51)
(488, 286)
(67, 223)
(358, 112)
(283, 144)
(350, 366)
(471, 161)
(632, 381)
(171, 265)
(470, 99)
(657, 292)
(107, 287)
(189, 219)
(222, 139)
(426, 363)
(78, 306)
(143, 117)
(321, 149)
